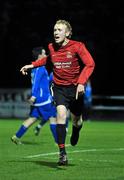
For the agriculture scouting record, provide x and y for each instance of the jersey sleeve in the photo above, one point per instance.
(40, 62)
(88, 62)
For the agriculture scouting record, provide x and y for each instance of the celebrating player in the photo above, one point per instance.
(72, 67)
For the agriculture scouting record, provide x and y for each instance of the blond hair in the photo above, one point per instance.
(67, 25)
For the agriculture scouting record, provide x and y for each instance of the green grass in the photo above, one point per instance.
(99, 154)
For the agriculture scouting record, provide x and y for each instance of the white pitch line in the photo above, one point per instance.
(76, 151)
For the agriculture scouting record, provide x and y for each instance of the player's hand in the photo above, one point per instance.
(80, 90)
(24, 69)
(31, 100)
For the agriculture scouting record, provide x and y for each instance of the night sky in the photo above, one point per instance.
(27, 24)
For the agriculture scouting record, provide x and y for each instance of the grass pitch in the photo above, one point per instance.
(99, 154)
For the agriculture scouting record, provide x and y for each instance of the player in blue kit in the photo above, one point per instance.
(41, 100)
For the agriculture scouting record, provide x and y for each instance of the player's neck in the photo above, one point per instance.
(65, 42)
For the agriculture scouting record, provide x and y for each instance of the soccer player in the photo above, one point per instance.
(41, 100)
(72, 67)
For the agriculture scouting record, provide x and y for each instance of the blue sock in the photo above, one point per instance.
(21, 131)
(53, 130)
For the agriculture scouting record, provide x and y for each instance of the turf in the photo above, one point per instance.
(99, 154)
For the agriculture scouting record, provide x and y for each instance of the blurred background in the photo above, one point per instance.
(99, 24)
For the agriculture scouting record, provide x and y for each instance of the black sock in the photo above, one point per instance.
(61, 134)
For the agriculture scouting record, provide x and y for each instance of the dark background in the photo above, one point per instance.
(27, 24)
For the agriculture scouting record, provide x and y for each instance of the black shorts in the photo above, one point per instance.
(66, 95)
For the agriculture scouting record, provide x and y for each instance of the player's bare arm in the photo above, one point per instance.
(25, 68)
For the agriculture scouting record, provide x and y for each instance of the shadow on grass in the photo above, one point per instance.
(51, 164)
(44, 163)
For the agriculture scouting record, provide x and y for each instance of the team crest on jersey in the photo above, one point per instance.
(69, 55)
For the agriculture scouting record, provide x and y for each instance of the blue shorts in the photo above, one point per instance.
(45, 112)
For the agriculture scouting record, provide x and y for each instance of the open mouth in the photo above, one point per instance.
(56, 37)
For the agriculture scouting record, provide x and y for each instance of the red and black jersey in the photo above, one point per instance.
(67, 61)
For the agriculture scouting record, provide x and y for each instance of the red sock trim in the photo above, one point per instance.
(61, 145)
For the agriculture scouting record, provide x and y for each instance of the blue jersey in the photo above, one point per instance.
(40, 86)
(88, 95)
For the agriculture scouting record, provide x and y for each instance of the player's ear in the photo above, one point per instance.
(67, 33)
